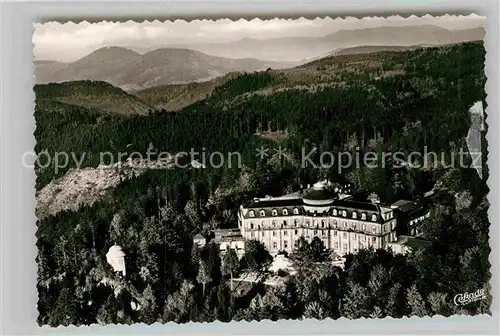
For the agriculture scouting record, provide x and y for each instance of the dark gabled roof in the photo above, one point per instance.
(356, 205)
(319, 194)
(274, 203)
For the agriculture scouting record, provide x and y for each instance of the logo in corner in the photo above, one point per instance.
(466, 298)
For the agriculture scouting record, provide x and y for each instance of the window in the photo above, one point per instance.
(393, 224)
(363, 227)
(344, 224)
(296, 231)
(354, 237)
(323, 232)
(315, 232)
(251, 213)
(285, 244)
(335, 233)
(275, 245)
(364, 237)
(296, 243)
(363, 216)
(307, 223)
(354, 215)
(335, 212)
(274, 233)
(252, 235)
(274, 223)
(262, 213)
(322, 223)
(374, 218)
(251, 226)
(345, 235)
(284, 223)
(334, 223)
(296, 211)
(285, 212)
(285, 233)
(262, 234)
(296, 222)
(345, 247)
(315, 223)
(336, 245)
(374, 239)
(374, 229)
(344, 213)
(275, 212)
(354, 226)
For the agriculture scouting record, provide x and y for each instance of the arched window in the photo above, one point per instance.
(296, 211)
(344, 213)
(275, 212)
(262, 212)
(374, 218)
(354, 215)
(285, 212)
(251, 213)
(363, 216)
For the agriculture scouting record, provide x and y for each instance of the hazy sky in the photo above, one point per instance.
(70, 41)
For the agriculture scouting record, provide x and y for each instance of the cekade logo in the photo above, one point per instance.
(466, 298)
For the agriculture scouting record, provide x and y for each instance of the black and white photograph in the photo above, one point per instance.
(249, 170)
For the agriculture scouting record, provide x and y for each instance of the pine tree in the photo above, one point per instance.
(230, 265)
(203, 275)
(415, 302)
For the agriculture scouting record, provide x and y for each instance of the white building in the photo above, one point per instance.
(116, 259)
(342, 223)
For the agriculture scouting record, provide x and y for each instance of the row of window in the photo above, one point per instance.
(323, 233)
(345, 225)
(336, 244)
(342, 213)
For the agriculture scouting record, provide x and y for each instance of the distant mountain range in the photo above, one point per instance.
(304, 49)
(130, 70)
(133, 71)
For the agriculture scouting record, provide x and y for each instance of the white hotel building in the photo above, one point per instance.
(342, 223)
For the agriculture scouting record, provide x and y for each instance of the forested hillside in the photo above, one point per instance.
(393, 101)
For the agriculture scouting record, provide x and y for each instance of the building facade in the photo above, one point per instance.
(342, 223)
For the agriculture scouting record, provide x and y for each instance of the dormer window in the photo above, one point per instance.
(285, 212)
(296, 211)
(262, 213)
(354, 215)
(335, 212)
(251, 213)
(374, 218)
(275, 212)
(363, 216)
(344, 213)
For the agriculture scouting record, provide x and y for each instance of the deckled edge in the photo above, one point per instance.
(276, 18)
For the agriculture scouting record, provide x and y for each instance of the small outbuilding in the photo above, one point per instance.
(116, 259)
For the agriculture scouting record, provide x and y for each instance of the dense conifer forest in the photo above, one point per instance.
(154, 216)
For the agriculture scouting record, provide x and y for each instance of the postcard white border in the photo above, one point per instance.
(18, 295)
